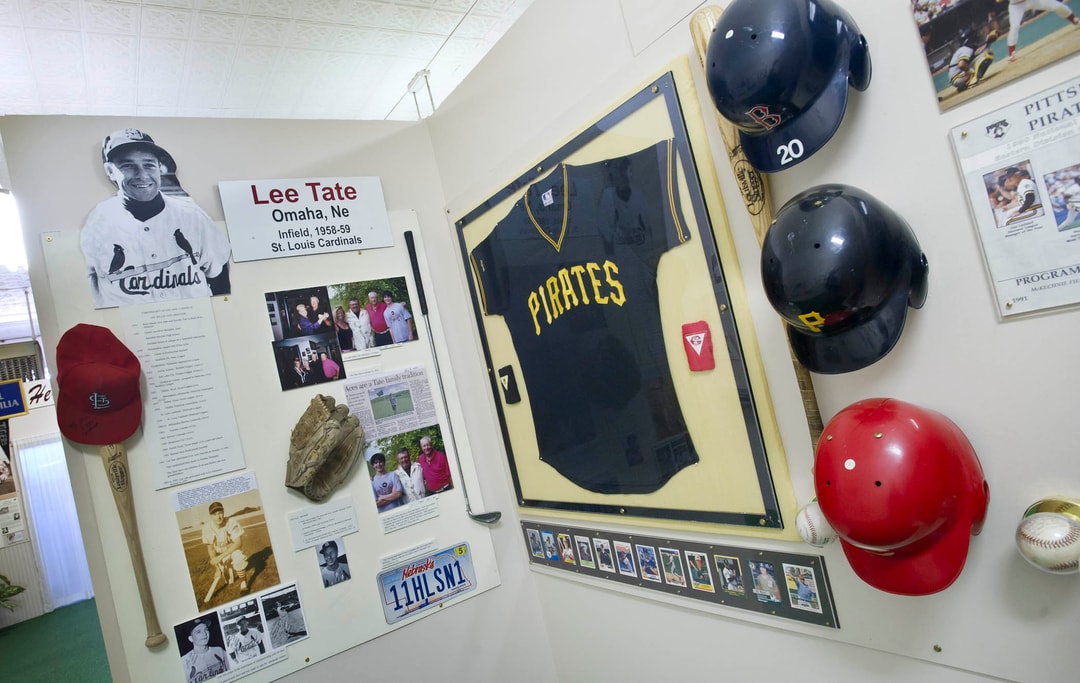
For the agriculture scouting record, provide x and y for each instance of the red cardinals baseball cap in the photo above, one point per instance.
(98, 400)
(905, 492)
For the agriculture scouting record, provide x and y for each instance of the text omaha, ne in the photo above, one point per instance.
(320, 206)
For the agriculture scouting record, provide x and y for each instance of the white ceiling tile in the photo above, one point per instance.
(350, 39)
(270, 8)
(329, 11)
(164, 96)
(264, 31)
(111, 57)
(180, 4)
(106, 93)
(307, 36)
(11, 43)
(9, 13)
(440, 22)
(362, 13)
(494, 8)
(111, 17)
(476, 26)
(453, 5)
(55, 54)
(160, 59)
(158, 22)
(62, 91)
(458, 49)
(50, 14)
(402, 18)
(19, 93)
(214, 26)
(233, 6)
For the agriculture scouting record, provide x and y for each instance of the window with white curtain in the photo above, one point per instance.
(54, 525)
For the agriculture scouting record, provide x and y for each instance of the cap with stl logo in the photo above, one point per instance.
(98, 400)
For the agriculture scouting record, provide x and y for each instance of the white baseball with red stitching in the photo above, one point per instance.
(813, 527)
(1050, 541)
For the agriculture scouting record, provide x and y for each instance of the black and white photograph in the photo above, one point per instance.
(284, 615)
(700, 575)
(671, 561)
(604, 559)
(802, 587)
(245, 633)
(333, 562)
(650, 570)
(974, 46)
(202, 648)
(766, 587)
(584, 552)
(729, 570)
(150, 241)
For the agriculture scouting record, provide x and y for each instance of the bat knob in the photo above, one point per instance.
(156, 639)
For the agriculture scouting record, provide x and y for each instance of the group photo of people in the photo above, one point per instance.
(407, 467)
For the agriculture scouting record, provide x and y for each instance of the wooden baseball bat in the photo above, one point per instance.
(754, 187)
(114, 458)
(217, 580)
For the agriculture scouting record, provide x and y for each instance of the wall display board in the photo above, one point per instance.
(277, 586)
(787, 585)
(1021, 168)
(612, 316)
(979, 45)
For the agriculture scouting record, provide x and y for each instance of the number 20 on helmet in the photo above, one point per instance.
(780, 70)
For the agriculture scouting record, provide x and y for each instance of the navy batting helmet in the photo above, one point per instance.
(841, 268)
(780, 70)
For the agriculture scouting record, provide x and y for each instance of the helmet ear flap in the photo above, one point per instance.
(859, 66)
(919, 282)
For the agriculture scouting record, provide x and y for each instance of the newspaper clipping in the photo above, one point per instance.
(1021, 168)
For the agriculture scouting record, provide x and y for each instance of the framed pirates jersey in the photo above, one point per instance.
(585, 272)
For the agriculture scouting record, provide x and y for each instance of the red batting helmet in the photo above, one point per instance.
(904, 490)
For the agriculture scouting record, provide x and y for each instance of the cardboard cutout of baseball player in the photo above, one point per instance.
(150, 242)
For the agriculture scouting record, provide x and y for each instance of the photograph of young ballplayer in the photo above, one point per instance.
(7, 477)
(729, 570)
(333, 562)
(245, 633)
(536, 546)
(551, 551)
(624, 558)
(150, 241)
(378, 312)
(202, 648)
(766, 587)
(307, 361)
(973, 46)
(1063, 186)
(225, 540)
(671, 561)
(584, 552)
(284, 615)
(391, 401)
(604, 558)
(802, 587)
(300, 313)
(700, 575)
(425, 447)
(566, 549)
(650, 570)
(1013, 195)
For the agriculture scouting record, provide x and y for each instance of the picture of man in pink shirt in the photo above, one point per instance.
(435, 466)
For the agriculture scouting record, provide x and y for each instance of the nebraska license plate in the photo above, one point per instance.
(426, 582)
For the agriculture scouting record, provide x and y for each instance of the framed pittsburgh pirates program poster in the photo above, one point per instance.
(613, 319)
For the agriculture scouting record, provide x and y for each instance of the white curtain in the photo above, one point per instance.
(54, 525)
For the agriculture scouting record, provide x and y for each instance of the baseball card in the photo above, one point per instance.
(650, 571)
(671, 560)
(729, 569)
(535, 546)
(584, 552)
(766, 587)
(603, 555)
(700, 575)
(802, 587)
(624, 556)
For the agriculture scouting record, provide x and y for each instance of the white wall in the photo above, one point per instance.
(1008, 385)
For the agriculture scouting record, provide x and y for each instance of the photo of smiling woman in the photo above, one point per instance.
(150, 242)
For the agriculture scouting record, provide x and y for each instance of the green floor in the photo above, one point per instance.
(63, 645)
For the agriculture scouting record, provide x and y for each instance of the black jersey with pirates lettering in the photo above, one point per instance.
(572, 270)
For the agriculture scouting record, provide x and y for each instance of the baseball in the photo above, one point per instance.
(1050, 541)
(813, 527)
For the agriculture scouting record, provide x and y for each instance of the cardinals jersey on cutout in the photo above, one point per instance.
(167, 256)
(572, 270)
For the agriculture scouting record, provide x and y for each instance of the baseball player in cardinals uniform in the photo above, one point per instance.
(247, 643)
(142, 245)
(223, 541)
(1017, 9)
(572, 270)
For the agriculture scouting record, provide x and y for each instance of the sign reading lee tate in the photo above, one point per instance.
(279, 218)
